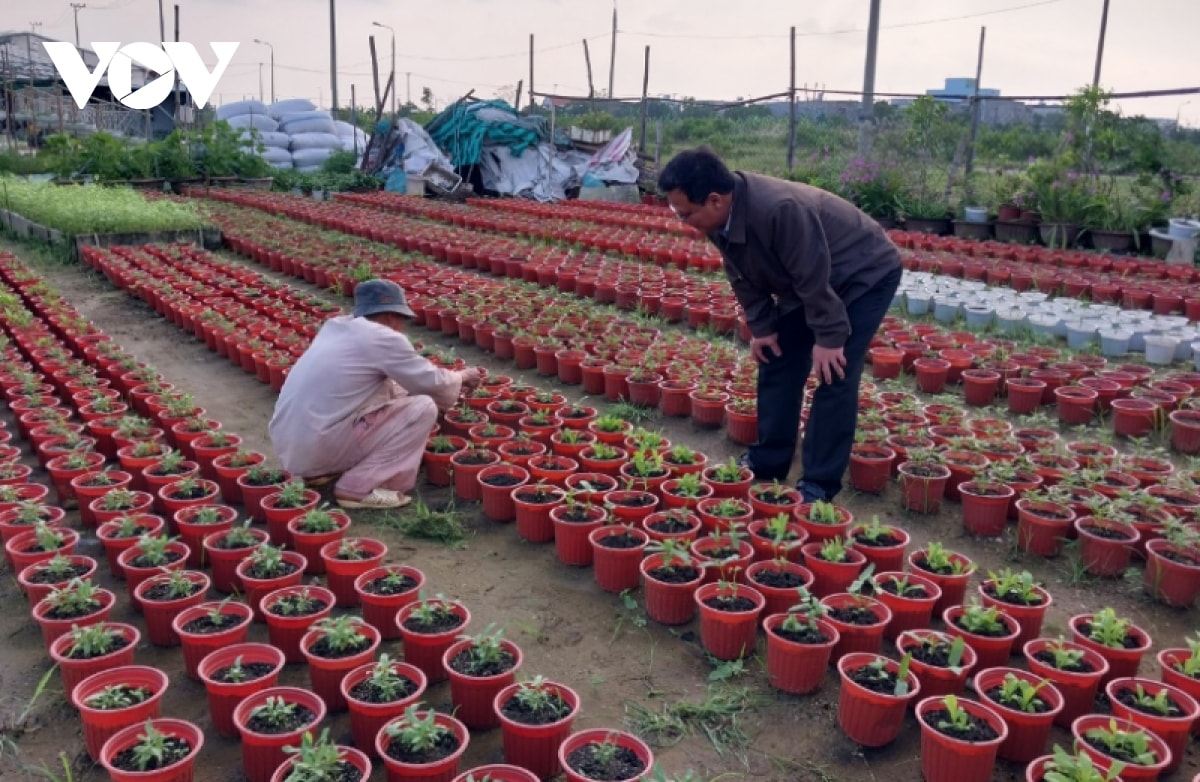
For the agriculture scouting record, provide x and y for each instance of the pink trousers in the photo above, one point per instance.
(384, 449)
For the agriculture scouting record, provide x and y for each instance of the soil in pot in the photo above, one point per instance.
(621, 764)
(974, 729)
(239, 673)
(293, 719)
(173, 750)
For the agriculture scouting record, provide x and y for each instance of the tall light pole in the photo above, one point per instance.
(76, 8)
(394, 85)
(272, 48)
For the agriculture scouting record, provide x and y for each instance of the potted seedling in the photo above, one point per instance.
(41, 578)
(987, 629)
(378, 692)
(204, 628)
(347, 559)
(167, 747)
(1019, 597)
(270, 720)
(959, 739)
(422, 742)
(604, 754)
(312, 530)
(333, 647)
(835, 564)
(1166, 711)
(320, 760)
(670, 578)
(479, 667)
(266, 569)
(163, 597)
(874, 695)
(428, 628)
(1027, 703)
(535, 718)
(292, 500)
(1107, 739)
(78, 603)
(941, 661)
(799, 646)
(1115, 638)
(383, 591)
(823, 520)
(729, 614)
(949, 570)
(1063, 766)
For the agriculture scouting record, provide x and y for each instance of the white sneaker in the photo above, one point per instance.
(378, 499)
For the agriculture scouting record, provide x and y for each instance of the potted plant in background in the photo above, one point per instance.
(1028, 704)
(874, 695)
(270, 720)
(378, 692)
(799, 646)
(986, 629)
(942, 662)
(167, 747)
(333, 647)
(1073, 670)
(117, 698)
(428, 628)
(422, 744)
(204, 628)
(1115, 638)
(959, 739)
(93, 648)
(1108, 739)
(479, 667)
(535, 719)
(604, 754)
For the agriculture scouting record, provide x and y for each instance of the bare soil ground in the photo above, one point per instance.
(568, 629)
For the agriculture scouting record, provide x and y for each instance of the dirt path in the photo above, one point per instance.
(568, 629)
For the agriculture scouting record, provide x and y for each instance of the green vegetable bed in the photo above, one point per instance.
(92, 209)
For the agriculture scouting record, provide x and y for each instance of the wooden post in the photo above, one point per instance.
(969, 165)
(60, 110)
(867, 112)
(587, 59)
(6, 99)
(791, 153)
(353, 103)
(645, 95)
(531, 98)
(517, 100)
(374, 67)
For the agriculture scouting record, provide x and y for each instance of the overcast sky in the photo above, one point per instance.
(716, 49)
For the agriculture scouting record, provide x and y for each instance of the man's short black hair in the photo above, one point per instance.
(697, 172)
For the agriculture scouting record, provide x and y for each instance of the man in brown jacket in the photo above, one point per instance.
(815, 276)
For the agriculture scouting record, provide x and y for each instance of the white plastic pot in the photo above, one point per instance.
(975, 214)
(1160, 349)
(1114, 344)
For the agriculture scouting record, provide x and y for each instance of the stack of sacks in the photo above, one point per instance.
(353, 139)
(312, 135)
(257, 128)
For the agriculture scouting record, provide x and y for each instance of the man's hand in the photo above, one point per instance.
(471, 377)
(829, 362)
(764, 348)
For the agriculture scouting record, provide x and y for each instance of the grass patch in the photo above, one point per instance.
(717, 718)
(419, 520)
(628, 411)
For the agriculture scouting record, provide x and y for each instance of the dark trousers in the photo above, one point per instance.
(829, 434)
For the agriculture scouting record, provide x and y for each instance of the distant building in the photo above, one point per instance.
(41, 102)
(959, 89)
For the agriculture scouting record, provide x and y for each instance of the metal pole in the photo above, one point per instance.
(272, 74)
(868, 99)
(162, 23)
(260, 83)
(1100, 44)
(178, 112)
(75, 7)
(969, 166)
(645, 94)
(394, 85)
(612, 59)
(587, 59)
(791, 153)
(333, 56)
(408, 88)
(531, 104)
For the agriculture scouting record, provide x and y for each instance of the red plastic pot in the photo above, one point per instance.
(473, 696)
(263, 753)
(224, 697)
(135, 574)
(885, 558)
(310, 544)
(909, 612)
(193, 533)
(1167, 660)
(497, 499)
(870, 718)
(867, 638)
(225, 561)
(572, 538)
(953, 585)
(196, 645)
(35, 590)
(993, 652)
(1028, 617)
(179, 771)
(935, 679)
(74, 670)
(795, 667)
(326, 673)
(499, 772)
(53, 629)
(984, 515)
(278, 518)
(368, 718)
(729, 635)
(425, 650)
(1173, 730)
(443, 770)
(535, 747)
(923, 493)
(779, 598)
(1103, 556)
(23, 550)
(356, 758)
(341, 573)
(948, 759)
(1039, 532)
(616, 569)
(1027, 732)
(599, 736)
(257, 588)
(1078, 689)
(668, 603)
(1171, 581)
(379, 610)
(831, 578)
(160, 614)
(285, 632)
(1122, 662)
(99, 725)
(1132, 771)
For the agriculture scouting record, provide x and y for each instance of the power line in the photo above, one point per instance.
(511, 55)
(846, 31)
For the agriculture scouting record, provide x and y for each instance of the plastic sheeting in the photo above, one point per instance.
(256, 121)
(310, 157)
(290, 106)
(419, 149)
(315, 141)
(267, 139)
(241, 107)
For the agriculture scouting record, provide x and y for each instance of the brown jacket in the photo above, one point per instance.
(790, 245)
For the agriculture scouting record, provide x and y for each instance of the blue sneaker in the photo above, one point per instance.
(810, 492)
